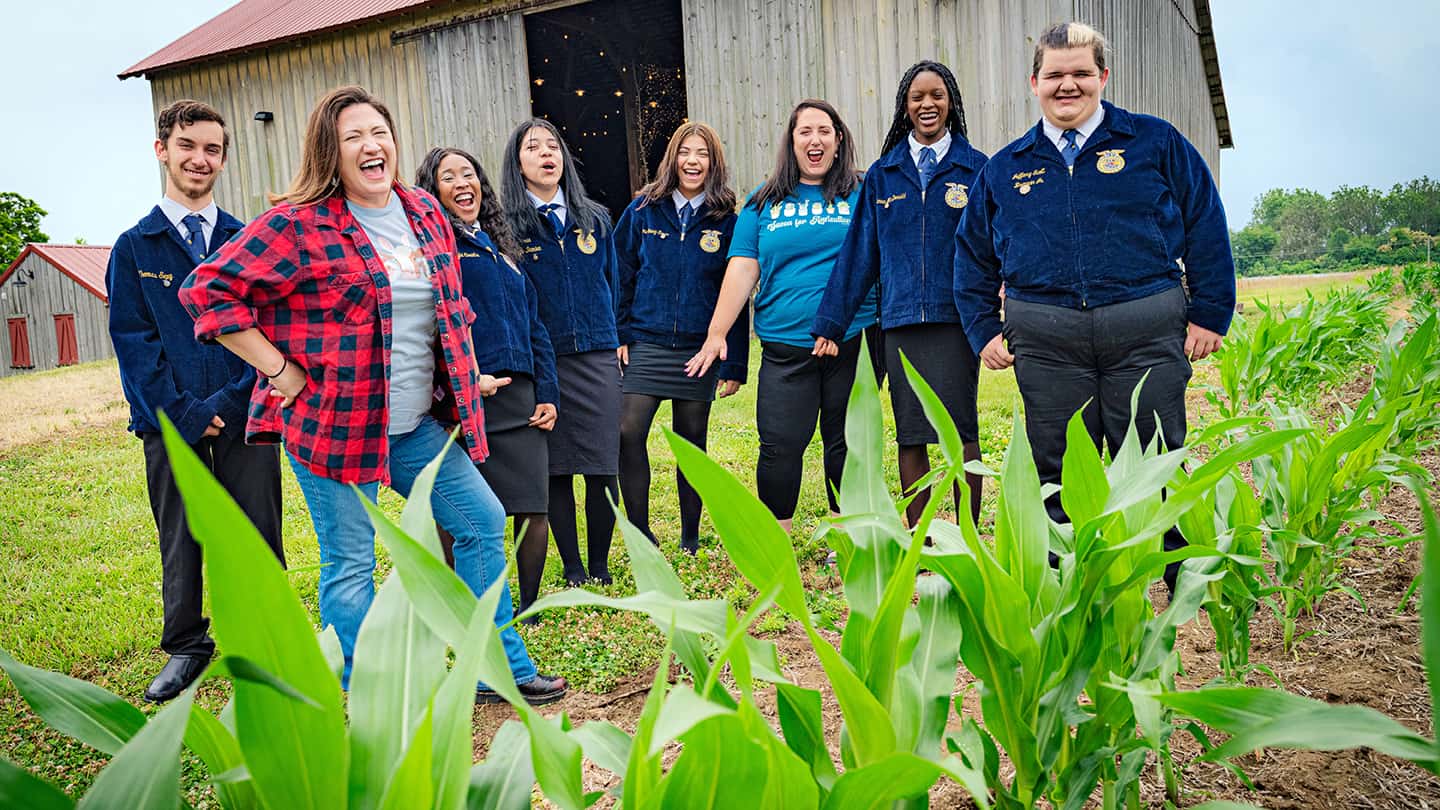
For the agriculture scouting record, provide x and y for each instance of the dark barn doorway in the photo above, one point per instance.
(611, 75)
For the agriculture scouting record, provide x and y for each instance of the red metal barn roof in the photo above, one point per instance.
(84, 263)
(252, 23)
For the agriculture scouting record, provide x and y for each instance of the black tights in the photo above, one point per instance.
(600, 490)
(915, 462)
(532, 539)
(690, 419)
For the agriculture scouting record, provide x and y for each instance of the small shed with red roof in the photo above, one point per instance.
(55, 306)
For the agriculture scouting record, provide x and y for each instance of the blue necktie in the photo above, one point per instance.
(195, 242)
(1071, 150)
(685, 213)
(926, 166)
(549, 209)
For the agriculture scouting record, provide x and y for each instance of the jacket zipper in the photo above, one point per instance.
(923, 254)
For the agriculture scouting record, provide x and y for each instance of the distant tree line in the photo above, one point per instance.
(1303, 231)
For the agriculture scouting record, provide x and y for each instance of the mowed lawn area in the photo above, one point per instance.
(80, 569)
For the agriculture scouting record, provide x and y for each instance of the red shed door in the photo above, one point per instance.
(65, 340)
(19, 343)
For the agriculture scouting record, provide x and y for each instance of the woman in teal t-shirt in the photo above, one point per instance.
(786, 239)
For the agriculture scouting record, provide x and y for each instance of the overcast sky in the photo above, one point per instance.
(1321, 94)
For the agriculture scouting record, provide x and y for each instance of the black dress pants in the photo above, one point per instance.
(795, 387)
(251, 474)
(1065, 358)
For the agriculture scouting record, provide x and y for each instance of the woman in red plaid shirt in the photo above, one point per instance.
(346, 297)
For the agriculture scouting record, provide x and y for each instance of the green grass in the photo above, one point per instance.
(81, 570)
(1289, 290)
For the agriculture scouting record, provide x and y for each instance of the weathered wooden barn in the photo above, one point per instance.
(618, 75)
(56, 309)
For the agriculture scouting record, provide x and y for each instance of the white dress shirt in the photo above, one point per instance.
(1082, 132)
(176, 213)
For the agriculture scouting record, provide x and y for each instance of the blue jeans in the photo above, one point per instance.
(464, 506)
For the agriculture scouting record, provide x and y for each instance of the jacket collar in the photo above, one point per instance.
(1117, 123)
(156, 222)
(898, 159)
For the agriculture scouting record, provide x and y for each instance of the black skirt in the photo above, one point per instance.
(657, 371)
(517, 468)
(586, 438)
(942, 355)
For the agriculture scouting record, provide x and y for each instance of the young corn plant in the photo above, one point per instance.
(284, 740)
(1055, 652)
(1270, 718)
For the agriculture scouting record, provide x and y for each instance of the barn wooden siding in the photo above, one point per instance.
(53, 293)
(459, 77)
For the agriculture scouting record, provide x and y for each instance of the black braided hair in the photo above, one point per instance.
(954, 121)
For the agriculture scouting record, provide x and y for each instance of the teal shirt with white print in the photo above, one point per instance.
(796, 242)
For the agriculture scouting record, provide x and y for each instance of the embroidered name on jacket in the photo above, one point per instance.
(654, 232)
(1024, 181)
(163, 278)
(884, 202)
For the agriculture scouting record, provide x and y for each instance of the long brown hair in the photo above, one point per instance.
(839, 181)
(719, 196)
(319, 174)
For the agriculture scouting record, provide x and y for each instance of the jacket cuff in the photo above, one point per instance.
(547, 393)
(625, 335)
(982, 331)
(828, 328)
(191, 416)
(730, 370)
(1211, 316)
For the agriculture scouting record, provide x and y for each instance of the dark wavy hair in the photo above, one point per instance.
(839, 181)
(901, 125)
(524, 220)
(492, 217)
(719, 196)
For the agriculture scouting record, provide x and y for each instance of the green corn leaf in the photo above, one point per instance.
(145, 774)
(803, 725)
(297, 754)
(866, 720)
(1430, 603)
(80, 709)
(896, 777)
(697, 616)
(1022, 527)
(20, 788)
(398, 665)
(720, 767)
(756, 544)
(1084, 488)
(556, 757)
(764, 660)
(604, 744)
(935, 658)
(239, 668)
(683, 710)
(504, 780)
(217, 748)
(1258, 718)
(454, 734)
(642, 771)
(410, 784)
(787, 778)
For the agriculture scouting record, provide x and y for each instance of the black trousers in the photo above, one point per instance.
(794, 388)
(1065, 358)
(251, 474)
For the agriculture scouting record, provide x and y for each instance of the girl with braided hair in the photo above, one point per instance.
(903, 235)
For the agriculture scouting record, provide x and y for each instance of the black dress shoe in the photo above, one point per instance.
(690, 546)
(177, 674)
(537, 691)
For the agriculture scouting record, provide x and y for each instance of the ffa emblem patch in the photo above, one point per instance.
(1110, 161)
(586, 242)
(709, 241)
(956, 196)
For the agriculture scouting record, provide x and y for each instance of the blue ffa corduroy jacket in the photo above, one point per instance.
(1140, 202)
(905, 238)
(670, 281)
(162, 365)
(507, 332)
(575, 282)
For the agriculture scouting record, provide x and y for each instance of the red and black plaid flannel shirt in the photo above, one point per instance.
(309, 279)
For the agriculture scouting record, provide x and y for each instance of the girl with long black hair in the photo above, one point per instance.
(904, 237)
(786, 240)
(568, 253)
(512, 346)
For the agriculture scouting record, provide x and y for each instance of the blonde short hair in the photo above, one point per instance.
(1062, 36)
